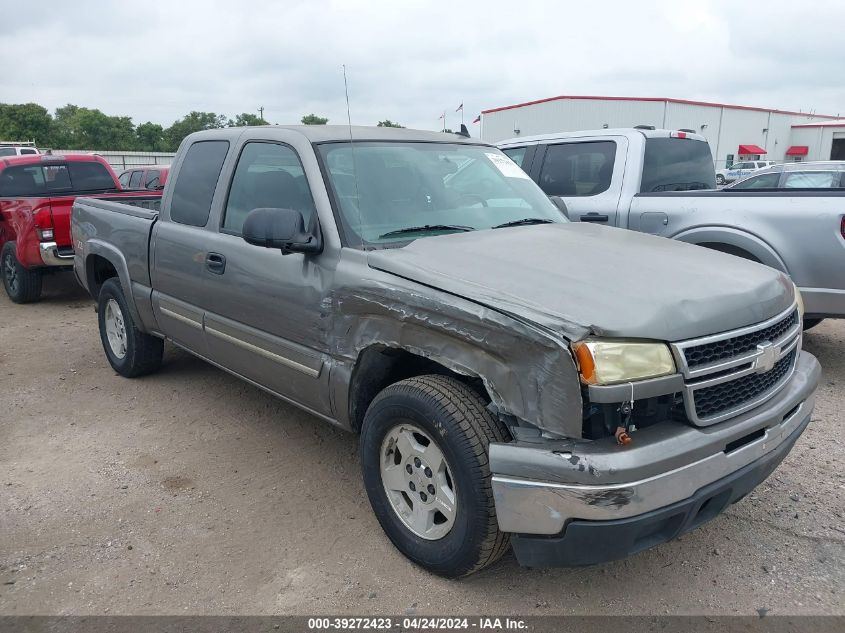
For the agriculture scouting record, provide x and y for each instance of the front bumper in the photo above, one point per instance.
(54, 255)
(556, 497)
(824, 302)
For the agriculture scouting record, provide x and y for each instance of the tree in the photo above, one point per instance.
(193, 122)
(150, 137)
(25, 122)
(84, 128)
(313, 119)
(388, 123)
(245, 119)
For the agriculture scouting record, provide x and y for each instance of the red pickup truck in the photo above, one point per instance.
(36, 197)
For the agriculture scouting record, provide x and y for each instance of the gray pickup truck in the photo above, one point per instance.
(578, 391)
(657, 181)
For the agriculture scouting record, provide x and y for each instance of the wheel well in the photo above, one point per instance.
(730, 250)
(98, 270)
(378, 367)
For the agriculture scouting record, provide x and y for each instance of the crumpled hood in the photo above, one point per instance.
(580, 279)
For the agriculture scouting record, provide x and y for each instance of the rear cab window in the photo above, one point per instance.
(676, 164)
(196, 182)
(55, 179)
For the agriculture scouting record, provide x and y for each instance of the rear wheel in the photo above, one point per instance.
(23, 285)
(424, 459)
(130, 351)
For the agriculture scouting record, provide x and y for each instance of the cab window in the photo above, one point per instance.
(764, 181)
(812, 180)
(578, 169)
(124, 179)
(135, 180)
(268, 175)
(152, 179)
(517, 155)
(196, 182)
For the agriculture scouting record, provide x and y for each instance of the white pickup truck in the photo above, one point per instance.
(663, 182)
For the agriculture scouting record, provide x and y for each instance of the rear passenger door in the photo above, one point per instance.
(265, 317)
(180, 246)
(586, 173)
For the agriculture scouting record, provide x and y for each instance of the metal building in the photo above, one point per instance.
(734, 132)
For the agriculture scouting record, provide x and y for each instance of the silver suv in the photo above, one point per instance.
(829, 174)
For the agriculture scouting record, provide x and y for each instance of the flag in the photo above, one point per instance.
(442, 116)
(459, 108)
(477, 119)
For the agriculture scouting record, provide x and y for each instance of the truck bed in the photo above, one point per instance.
(115, 224)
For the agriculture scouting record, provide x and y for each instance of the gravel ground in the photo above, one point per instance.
(191, 492)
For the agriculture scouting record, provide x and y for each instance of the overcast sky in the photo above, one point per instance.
(410, 60)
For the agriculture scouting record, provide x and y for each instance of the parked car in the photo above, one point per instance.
(740, 170)
(828, 174)
(582, 391)
(152, 177)
(654, 180)
(17, 149)
(36, 195)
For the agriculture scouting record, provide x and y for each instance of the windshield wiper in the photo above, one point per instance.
(524, 221)
(426, 228)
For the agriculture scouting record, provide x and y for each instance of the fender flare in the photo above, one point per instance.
(736, 238)
(98, 248)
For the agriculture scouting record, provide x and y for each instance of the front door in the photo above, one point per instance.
(587, 175)
(265, 321)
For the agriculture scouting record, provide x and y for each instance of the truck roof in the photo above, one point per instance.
(617, 131)
(29, 159)
(335, 133)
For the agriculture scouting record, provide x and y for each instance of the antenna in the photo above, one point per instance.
(352, 150)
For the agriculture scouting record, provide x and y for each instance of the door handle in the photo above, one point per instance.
(594, 217)
(215, 263)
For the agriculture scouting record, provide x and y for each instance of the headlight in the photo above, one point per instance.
(800, 301)
(604, 362)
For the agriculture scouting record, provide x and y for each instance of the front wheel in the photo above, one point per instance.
(425, 465)
(720, 179)
(130, 351)
(23, 285)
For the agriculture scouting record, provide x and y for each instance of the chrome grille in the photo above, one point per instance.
(727, 374)
(719, 350)
(727, 395)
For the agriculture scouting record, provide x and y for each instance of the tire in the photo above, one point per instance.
(720, 179)
(447, 412)
(809, 324)
(23, 285)
(130, 351)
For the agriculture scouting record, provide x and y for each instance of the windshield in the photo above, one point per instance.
(393, 192)
(676, 164)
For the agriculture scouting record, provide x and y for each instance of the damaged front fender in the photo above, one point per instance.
(529, 373)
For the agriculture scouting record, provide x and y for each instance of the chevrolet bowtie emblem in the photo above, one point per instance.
(769, 354)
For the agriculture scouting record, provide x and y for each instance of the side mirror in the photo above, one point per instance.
(280, 228)
(561, 205)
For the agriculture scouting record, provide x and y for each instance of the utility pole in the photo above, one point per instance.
(261, 112)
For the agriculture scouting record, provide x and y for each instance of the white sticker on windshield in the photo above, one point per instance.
(506, 166)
